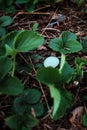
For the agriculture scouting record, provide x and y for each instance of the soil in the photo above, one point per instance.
(75, 20)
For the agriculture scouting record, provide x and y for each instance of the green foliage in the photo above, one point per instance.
(62, 101)
(29, 99)
(84, 120)
(29, 5)
(55, 78)
(7, 6)
(11, 86)
(4, 22)
(12, 44)
(21, 122)
(79, 62)
(65, 44)
(5, 66)
(35, 26)
(55, 81)
(28, 103)
(79, 2)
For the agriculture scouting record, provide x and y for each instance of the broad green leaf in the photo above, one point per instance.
(66, 73)
(9, 50)
(31, 95)
(5, 66)
(67, 43)
(5, 21)
(35, 26)
(48, 75)
(55, 94)
(56, 44)
(29, 7)
(84, 120)
(20, 122)
(2, 31)
(63, 100)
(39, 109)
(27, 40)
(9, 38)
(72, 46)
(11, 86)
(67, 36)
(25, 102)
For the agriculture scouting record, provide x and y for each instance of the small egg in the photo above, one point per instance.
(51, 61)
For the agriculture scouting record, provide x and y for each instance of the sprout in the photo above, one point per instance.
(51, 61)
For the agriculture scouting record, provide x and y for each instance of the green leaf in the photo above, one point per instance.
(48, 75)
(26, 100)
(29, 7)
(79, 2)
(9, 50)
(5, 21)
(20, 122)
(11, 86)
(32, 95)
(63, 100)
(80, 62)
(66, 44)
(56, 44)
(35, 26)
(72, 46)
(5, 66)
(27, 40)
(68, 36)
(39, 109)
(66, 73)
(9, 38)
(84, 119)
(2, 31)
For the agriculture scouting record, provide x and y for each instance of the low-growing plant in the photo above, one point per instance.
(4, 22)
(29, 5)
(28, 102)
(56, 78)
(7, 6)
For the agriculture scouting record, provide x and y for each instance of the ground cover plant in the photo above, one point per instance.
(43, 65)
(11, 45)
(63, 99)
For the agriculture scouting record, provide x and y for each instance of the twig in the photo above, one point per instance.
(29, 13)
(49, 22)
(46, 6)
(41, 89)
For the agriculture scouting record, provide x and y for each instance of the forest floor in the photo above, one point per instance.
(75, 20)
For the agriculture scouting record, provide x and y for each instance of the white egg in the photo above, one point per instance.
(51, 61)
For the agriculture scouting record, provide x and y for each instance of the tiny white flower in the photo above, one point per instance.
(51, 61)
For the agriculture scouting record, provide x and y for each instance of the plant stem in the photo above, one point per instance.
(13, 69)
(63, 58)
